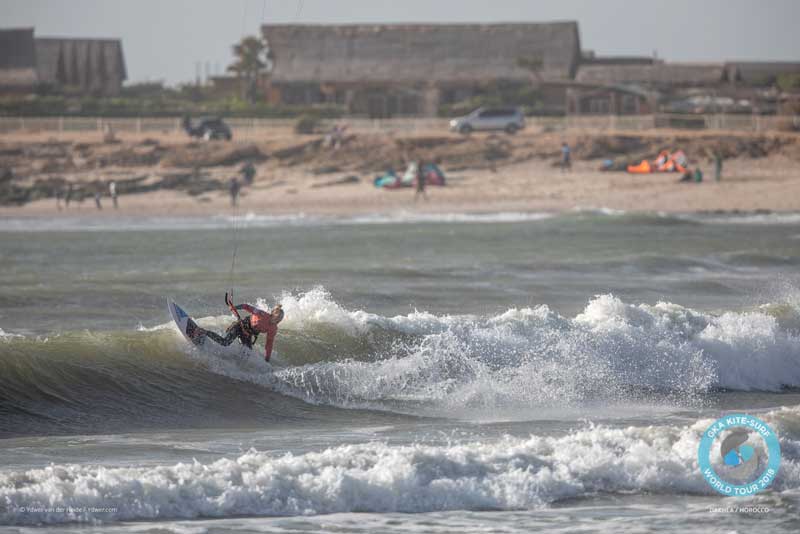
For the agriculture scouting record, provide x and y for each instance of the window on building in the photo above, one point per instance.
(629, 106)
(599, 105)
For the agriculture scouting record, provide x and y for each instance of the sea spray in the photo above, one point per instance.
(506, 366)
(506, 473)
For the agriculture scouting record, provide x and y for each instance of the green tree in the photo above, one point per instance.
(252, 60)
(534, 65)
(788, 82)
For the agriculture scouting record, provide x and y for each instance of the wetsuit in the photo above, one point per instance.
(258, 322)
(261, 322)
(240, 329)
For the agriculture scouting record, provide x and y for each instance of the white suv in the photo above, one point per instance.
(510, 120)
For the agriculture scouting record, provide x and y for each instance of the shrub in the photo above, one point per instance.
(306, 124)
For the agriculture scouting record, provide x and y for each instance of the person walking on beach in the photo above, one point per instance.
(233, 188)
(566, 157)
(717, 165)
(248, 172)
(112, 190)
(97, 199)
(68, 196)
(421, 179)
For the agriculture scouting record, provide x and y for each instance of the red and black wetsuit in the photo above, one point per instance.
(247, 330)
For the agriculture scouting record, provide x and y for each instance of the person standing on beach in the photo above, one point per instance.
(97, 199)
(112, 190)
(233, 189)
(68, 196)
(248, 172)
(421, 179)
(717, 165)
(566, 157)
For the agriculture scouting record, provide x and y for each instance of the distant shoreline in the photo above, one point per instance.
(302, 175)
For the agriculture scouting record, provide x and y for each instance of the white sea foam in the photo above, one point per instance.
(396, 217)
(534, 357)
(610, 212)
(746, 218)
(415, 217)
(508, 473)
(95, 223)
(503, 366)
(7, 336)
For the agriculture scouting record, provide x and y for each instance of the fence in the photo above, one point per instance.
(252, 129)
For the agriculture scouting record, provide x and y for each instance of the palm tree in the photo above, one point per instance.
(252, 59)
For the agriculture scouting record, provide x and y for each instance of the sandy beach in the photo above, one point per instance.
(293, 174)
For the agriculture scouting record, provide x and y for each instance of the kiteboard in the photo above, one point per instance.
(196, 335)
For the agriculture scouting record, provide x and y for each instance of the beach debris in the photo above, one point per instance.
(351, 179)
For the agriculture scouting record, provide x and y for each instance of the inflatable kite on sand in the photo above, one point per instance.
(665, 162)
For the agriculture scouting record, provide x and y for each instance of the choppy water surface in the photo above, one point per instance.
(451, 373)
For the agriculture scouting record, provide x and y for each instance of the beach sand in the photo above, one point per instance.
(529, 184)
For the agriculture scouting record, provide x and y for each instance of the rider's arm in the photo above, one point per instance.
(268, 345)
(247, 308)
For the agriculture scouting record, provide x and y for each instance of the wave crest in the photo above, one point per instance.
(510, 473)
(507, 366)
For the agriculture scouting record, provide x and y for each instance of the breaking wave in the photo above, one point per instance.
(508, 473)
(534, 357)
(503, 366)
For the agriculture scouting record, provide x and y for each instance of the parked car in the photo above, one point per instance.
(508, 119)
(207, 128)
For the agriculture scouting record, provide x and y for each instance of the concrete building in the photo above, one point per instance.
(64, 65)
(17, 61)
(412, 69)
(85, 66)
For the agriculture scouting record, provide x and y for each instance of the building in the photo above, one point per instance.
(84, 66)
(610, 100)
(632, 86)
(588, 57)
(759, 73)
(732, 87)
(660, 76)
(411, 69)
(64, 65)
(17, 61)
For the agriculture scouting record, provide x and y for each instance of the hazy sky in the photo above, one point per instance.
(167, 39)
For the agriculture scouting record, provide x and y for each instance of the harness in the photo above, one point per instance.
(246, 330)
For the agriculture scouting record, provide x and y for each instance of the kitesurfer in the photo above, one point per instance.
(248, 328)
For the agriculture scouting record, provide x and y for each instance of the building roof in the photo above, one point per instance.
(660, 74)
(17, 58)
(420, 52)
(589, 58)
(760, 72)
(79, 61)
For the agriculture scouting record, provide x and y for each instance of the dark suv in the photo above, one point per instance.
(207, 128)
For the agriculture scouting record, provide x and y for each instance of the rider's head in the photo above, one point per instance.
(277, 314)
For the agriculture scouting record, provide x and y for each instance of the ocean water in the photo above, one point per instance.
(456, 373)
